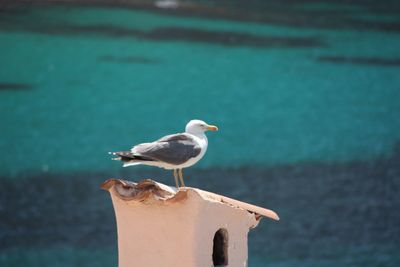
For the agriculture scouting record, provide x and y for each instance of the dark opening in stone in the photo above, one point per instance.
(220, 248)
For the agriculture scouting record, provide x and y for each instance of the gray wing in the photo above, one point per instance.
(173, 149)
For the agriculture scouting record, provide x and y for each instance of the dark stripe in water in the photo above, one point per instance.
(14, 86)
(226, 38)
(321, 205)
(346, 15)
(386, 62)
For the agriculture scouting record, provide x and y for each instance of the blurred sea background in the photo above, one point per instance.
(306, 94)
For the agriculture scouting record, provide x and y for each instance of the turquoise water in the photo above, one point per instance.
(288, 106)
(306, 115)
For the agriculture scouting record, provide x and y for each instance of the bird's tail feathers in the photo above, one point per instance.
(128, 158)
(122, 155)
(127, 164)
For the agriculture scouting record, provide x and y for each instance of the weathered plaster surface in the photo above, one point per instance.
(160, 226)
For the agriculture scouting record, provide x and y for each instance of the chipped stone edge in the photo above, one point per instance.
(149, 191)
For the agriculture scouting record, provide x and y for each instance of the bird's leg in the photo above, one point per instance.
(181, 177)
(176, 178)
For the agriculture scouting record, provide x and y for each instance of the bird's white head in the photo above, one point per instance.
(199, 127)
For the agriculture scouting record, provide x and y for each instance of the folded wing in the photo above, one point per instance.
(173, 149)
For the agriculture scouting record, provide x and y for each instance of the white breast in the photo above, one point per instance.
(203, 143)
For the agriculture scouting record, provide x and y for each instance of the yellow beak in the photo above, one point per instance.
(212, 128)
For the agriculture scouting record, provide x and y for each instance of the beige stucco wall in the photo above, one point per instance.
(236, 221)
(154, 234)
(179, 233)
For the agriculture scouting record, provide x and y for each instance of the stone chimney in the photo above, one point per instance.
(160, 226)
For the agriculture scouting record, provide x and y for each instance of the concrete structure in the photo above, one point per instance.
(160, 226)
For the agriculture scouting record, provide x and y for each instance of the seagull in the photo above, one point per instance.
(171, 152)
